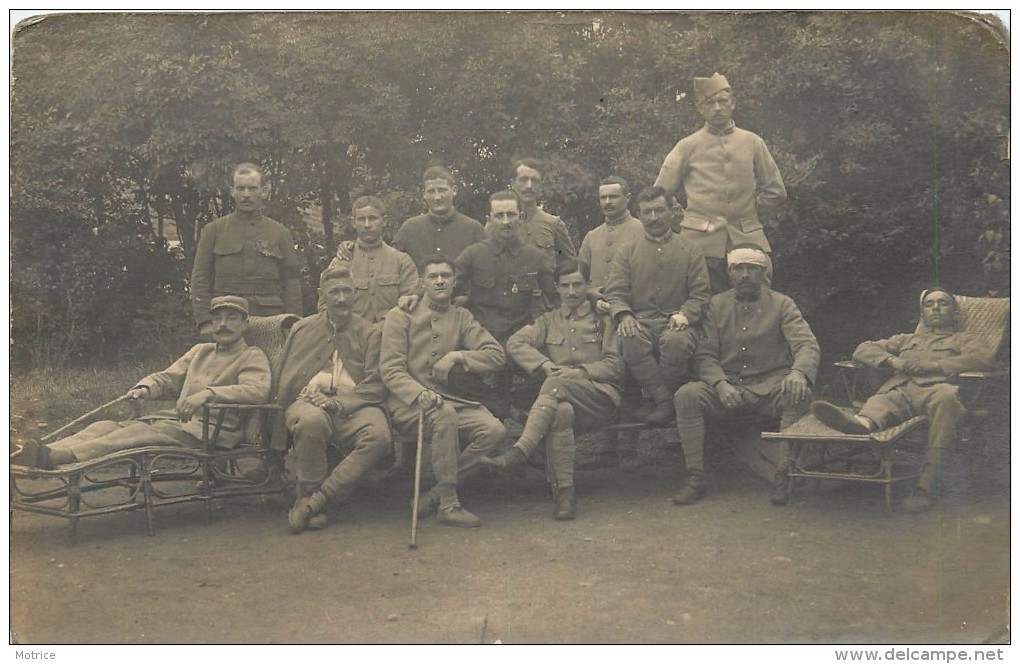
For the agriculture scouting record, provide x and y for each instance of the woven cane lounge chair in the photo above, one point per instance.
(156, 476)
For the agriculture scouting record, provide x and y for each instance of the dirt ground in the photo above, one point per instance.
(633, 568)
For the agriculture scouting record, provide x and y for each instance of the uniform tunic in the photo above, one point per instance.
(600, 245)
(425, 236)
(412, 344)
(903, 396)
(414, 341)
(754, 343)
(549, 235)
(572, 338)
(239, 374)
(507, 284)
(727, 175)
(653, 278)
(254, 259)
(381, 275)
(308, 350)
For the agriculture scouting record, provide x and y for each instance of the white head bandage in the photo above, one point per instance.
(747, 256)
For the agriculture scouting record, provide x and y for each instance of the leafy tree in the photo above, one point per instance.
(890, 129)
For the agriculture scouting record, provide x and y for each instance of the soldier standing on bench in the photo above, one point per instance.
(657, 288)
(727, 176)
(537, 227)
(577, 351)
(757, 355)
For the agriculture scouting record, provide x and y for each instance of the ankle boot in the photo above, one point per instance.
(566, 508)
(692, 491)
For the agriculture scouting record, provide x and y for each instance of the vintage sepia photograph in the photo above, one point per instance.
(511, 327)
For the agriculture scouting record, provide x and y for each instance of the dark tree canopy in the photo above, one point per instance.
(890, 129)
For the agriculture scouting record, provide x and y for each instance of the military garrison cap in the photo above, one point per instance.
(707, 87)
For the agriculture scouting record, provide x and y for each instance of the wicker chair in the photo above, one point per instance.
(895, 455)
(156, 476)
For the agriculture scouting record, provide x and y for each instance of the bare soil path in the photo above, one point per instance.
(633, 568)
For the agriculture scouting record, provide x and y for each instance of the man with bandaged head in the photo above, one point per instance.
(757, 356)
(923, 361)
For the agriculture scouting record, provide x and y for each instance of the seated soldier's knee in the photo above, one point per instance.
(635, 348)
(552, 386)
(690, 396)
(564, 417)
(679, 342)
(309, 424)
(944, 398)
(944, 392)
(445, 415)
(375, 434)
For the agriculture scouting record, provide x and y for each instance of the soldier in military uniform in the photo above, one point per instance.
(421, 350)
(442, 231)
(246, 254)
(577, 351)
(505, 283)
(657, 289)
(727, 176)
(537, 227)
(601, 243)
(382, 275)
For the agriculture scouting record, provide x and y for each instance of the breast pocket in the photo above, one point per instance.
(525, 282)
(387, 291)
(269, 256)
(484, 279)
(229, 259)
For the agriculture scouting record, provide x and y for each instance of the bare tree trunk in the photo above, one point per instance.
(326, 197)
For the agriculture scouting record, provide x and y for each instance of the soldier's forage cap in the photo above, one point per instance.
(229, 302)
(708, 87)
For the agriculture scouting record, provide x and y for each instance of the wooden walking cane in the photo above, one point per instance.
(417, 481)
(123, 397)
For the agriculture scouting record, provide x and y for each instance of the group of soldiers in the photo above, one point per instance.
(456, 320)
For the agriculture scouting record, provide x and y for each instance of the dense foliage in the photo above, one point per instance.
(890, 129)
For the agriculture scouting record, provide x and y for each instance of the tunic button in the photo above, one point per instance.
(744, 329)
(439, 230)
(434, 352)
(573, 348)
(371, 258)
(573, 330)
(744, 348)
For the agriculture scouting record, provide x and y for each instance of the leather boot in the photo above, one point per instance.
(661, 415)
(32, 454)
(649, 376)
(455, 515)
(566, 508)
(304, 509)
(780, 494)
(692, 491)
(512, 457)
